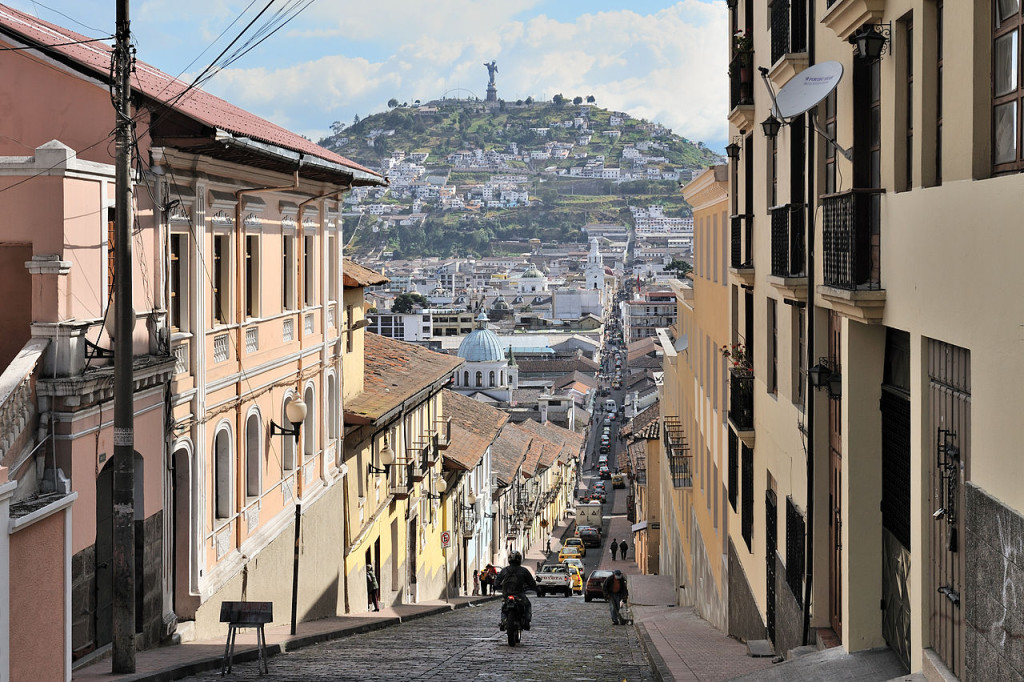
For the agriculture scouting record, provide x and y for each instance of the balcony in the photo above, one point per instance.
(443, 438)
(846, 16)
(469, 521)
(419, 472)
(741, 90)
(400, 480)
(741, 404)
(788, 251)
(788, 39)
(851, 254)
(742, 249)
(679, 457)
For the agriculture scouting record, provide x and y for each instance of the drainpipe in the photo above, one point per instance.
(808, 389)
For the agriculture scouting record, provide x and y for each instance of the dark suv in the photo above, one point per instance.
(591, 538)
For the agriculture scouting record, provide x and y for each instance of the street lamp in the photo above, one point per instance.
(387, 458)
(294, 412)
(494, 511)
(732, 150)
(441, 486)
(823, 377)
(871, 40)
(771, 126)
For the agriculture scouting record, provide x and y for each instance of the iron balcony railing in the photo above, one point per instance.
(443, 437)
(788, 240)
(469, 521)
(851, 239)
(789, 27)
(741, 70)
(679, 458)
(742, 241)
(400, 480)
(741, 399)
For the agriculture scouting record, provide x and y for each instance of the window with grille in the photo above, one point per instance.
(308, 272)
(288, 272)
(1007, 91)
(799, 354)
(773, 343)
(252, 276)
(830, 149)
(795, 533)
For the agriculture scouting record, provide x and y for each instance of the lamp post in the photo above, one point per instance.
(732, 150)
(871, 40)
(387, 458)
(771, 126)
(295, 413)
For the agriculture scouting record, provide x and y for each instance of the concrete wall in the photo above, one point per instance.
(991, 604)
(37, 599)
(745, 620)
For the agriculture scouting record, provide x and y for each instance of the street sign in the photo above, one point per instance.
(446, 539)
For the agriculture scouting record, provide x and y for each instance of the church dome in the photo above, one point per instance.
(482, 345)
(500, 304)
(533, 273)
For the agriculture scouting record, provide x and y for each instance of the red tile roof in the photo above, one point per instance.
(508, 452)
(198, 105)
(474, 427)
(393, 372)
(355, 275)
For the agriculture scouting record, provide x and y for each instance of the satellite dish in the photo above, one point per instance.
(807, 89)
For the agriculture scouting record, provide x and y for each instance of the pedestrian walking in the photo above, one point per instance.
(476, 582)
(623, 548)
(372, 589)
(615, 591)
(615, 548)
(487, 581)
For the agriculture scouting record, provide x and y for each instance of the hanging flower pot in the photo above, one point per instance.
(543, 523)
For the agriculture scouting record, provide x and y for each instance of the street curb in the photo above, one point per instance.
(658, 666)
(250, 653)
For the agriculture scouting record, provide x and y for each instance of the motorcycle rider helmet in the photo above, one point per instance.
(618, 573)
(515, 558)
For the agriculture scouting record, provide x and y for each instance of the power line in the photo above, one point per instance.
(74, 42)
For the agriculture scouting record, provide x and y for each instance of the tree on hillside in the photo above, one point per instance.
(529, 100)
(392, 103)
(404, 302)
(591, 99)
(577, 100)
(558, 99)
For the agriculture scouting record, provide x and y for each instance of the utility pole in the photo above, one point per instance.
(123, 626)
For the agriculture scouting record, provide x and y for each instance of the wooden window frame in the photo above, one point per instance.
(1012, 24)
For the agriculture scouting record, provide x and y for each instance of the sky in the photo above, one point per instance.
(655, 59)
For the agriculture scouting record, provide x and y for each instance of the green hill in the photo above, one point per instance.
(506, 138)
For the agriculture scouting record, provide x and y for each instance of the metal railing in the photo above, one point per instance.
(788, 241)
(741, 79)
(788, 28)
(742, 241)
(851, 239)
(741, 399)
(443, 437)
(678, 451)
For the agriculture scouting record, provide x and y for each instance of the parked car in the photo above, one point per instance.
(618, 481)
(594, 588)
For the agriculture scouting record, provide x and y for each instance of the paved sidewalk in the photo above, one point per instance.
(176, 662)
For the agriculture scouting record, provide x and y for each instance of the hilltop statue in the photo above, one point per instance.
(492, 90)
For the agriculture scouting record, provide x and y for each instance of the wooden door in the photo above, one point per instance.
(949, 379)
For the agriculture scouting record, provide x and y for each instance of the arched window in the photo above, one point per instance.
(479, 379)
(222, 474)
(502, 378)
(309, 426)
(287, 442)
(491, 382)
(253, 455)
(465, 378)
(333, 417)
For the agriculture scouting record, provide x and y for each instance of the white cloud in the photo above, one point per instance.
(668, 66)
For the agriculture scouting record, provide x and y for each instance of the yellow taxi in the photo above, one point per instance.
(578, 544)
(576, 576)
(568, 552)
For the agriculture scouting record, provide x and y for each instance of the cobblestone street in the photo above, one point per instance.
(570, 640)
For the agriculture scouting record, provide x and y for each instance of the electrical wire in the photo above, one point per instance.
(37, 4)
(76, 42)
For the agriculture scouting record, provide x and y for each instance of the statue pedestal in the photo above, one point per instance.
(492, 93)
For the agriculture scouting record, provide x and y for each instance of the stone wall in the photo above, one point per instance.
(745, 620)
(789, 617)
(993, 599)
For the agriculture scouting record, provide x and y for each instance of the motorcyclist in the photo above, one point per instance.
(514, 579)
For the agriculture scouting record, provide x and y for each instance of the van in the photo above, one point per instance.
(609, 405)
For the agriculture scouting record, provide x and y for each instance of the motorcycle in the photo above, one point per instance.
(513, 615)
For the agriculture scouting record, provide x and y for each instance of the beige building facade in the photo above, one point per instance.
(898, 472)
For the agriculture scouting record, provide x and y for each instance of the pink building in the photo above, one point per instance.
(238, 296)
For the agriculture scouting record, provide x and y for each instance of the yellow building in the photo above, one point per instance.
(694, 405)
(395, 431)
(899, 312)
(643, 453)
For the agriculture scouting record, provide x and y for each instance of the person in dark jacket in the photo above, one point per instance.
(623, 548)
(615, 548)
(615, 591)
(372, 588)
(515, 579)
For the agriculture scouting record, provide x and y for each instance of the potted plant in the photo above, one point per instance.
(743, 46)
(739, 361)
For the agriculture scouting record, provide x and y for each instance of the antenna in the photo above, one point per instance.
(804, 92)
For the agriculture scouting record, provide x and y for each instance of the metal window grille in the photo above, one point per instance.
(747, 515)
(795, 539)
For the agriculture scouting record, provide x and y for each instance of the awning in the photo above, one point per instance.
(639, 526)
